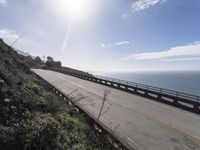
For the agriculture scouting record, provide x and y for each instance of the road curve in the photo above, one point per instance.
(142, 123)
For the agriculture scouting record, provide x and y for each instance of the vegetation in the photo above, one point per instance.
(51, 63)
(32, 117)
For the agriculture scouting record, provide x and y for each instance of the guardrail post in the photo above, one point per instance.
(175, 101)
(111, 83)
(126, 87)
(118, 85)
(146, 93)
(196, 107)
(159, 97)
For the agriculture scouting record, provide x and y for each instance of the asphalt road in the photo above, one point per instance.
(139, 122)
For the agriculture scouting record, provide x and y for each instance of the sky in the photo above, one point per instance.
(106, 35)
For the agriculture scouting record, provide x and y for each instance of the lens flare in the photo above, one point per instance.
(78, 8)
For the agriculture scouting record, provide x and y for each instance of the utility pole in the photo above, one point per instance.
(21, 36)
(106, 92)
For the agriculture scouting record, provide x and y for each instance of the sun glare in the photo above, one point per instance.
(77, 8)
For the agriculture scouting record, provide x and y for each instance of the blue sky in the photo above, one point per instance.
(107, 35)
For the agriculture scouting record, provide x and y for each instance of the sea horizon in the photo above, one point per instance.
(186, 81)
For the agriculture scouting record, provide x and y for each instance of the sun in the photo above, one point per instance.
(77, 8)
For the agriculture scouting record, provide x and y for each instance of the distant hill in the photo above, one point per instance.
(67, 70)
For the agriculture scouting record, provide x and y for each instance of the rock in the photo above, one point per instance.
(7, 101)
(1, 82)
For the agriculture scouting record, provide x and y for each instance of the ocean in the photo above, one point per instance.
(186, 82)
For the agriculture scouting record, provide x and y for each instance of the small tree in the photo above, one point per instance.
(50, 59)
(38, 60)
(57, 64)
(51, 63)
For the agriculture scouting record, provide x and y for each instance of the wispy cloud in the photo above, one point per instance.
(141, 5)
(120, 43)
(180, 59)
(187, 51)
(103, 45)
(3, 3)
(8, 34)
(26, 44)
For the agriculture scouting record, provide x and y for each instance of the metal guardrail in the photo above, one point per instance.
(152, 88)
(178, 99)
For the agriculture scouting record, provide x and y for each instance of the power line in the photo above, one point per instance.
(21, 36)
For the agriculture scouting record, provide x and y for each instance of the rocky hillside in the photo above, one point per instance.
(32, 117)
